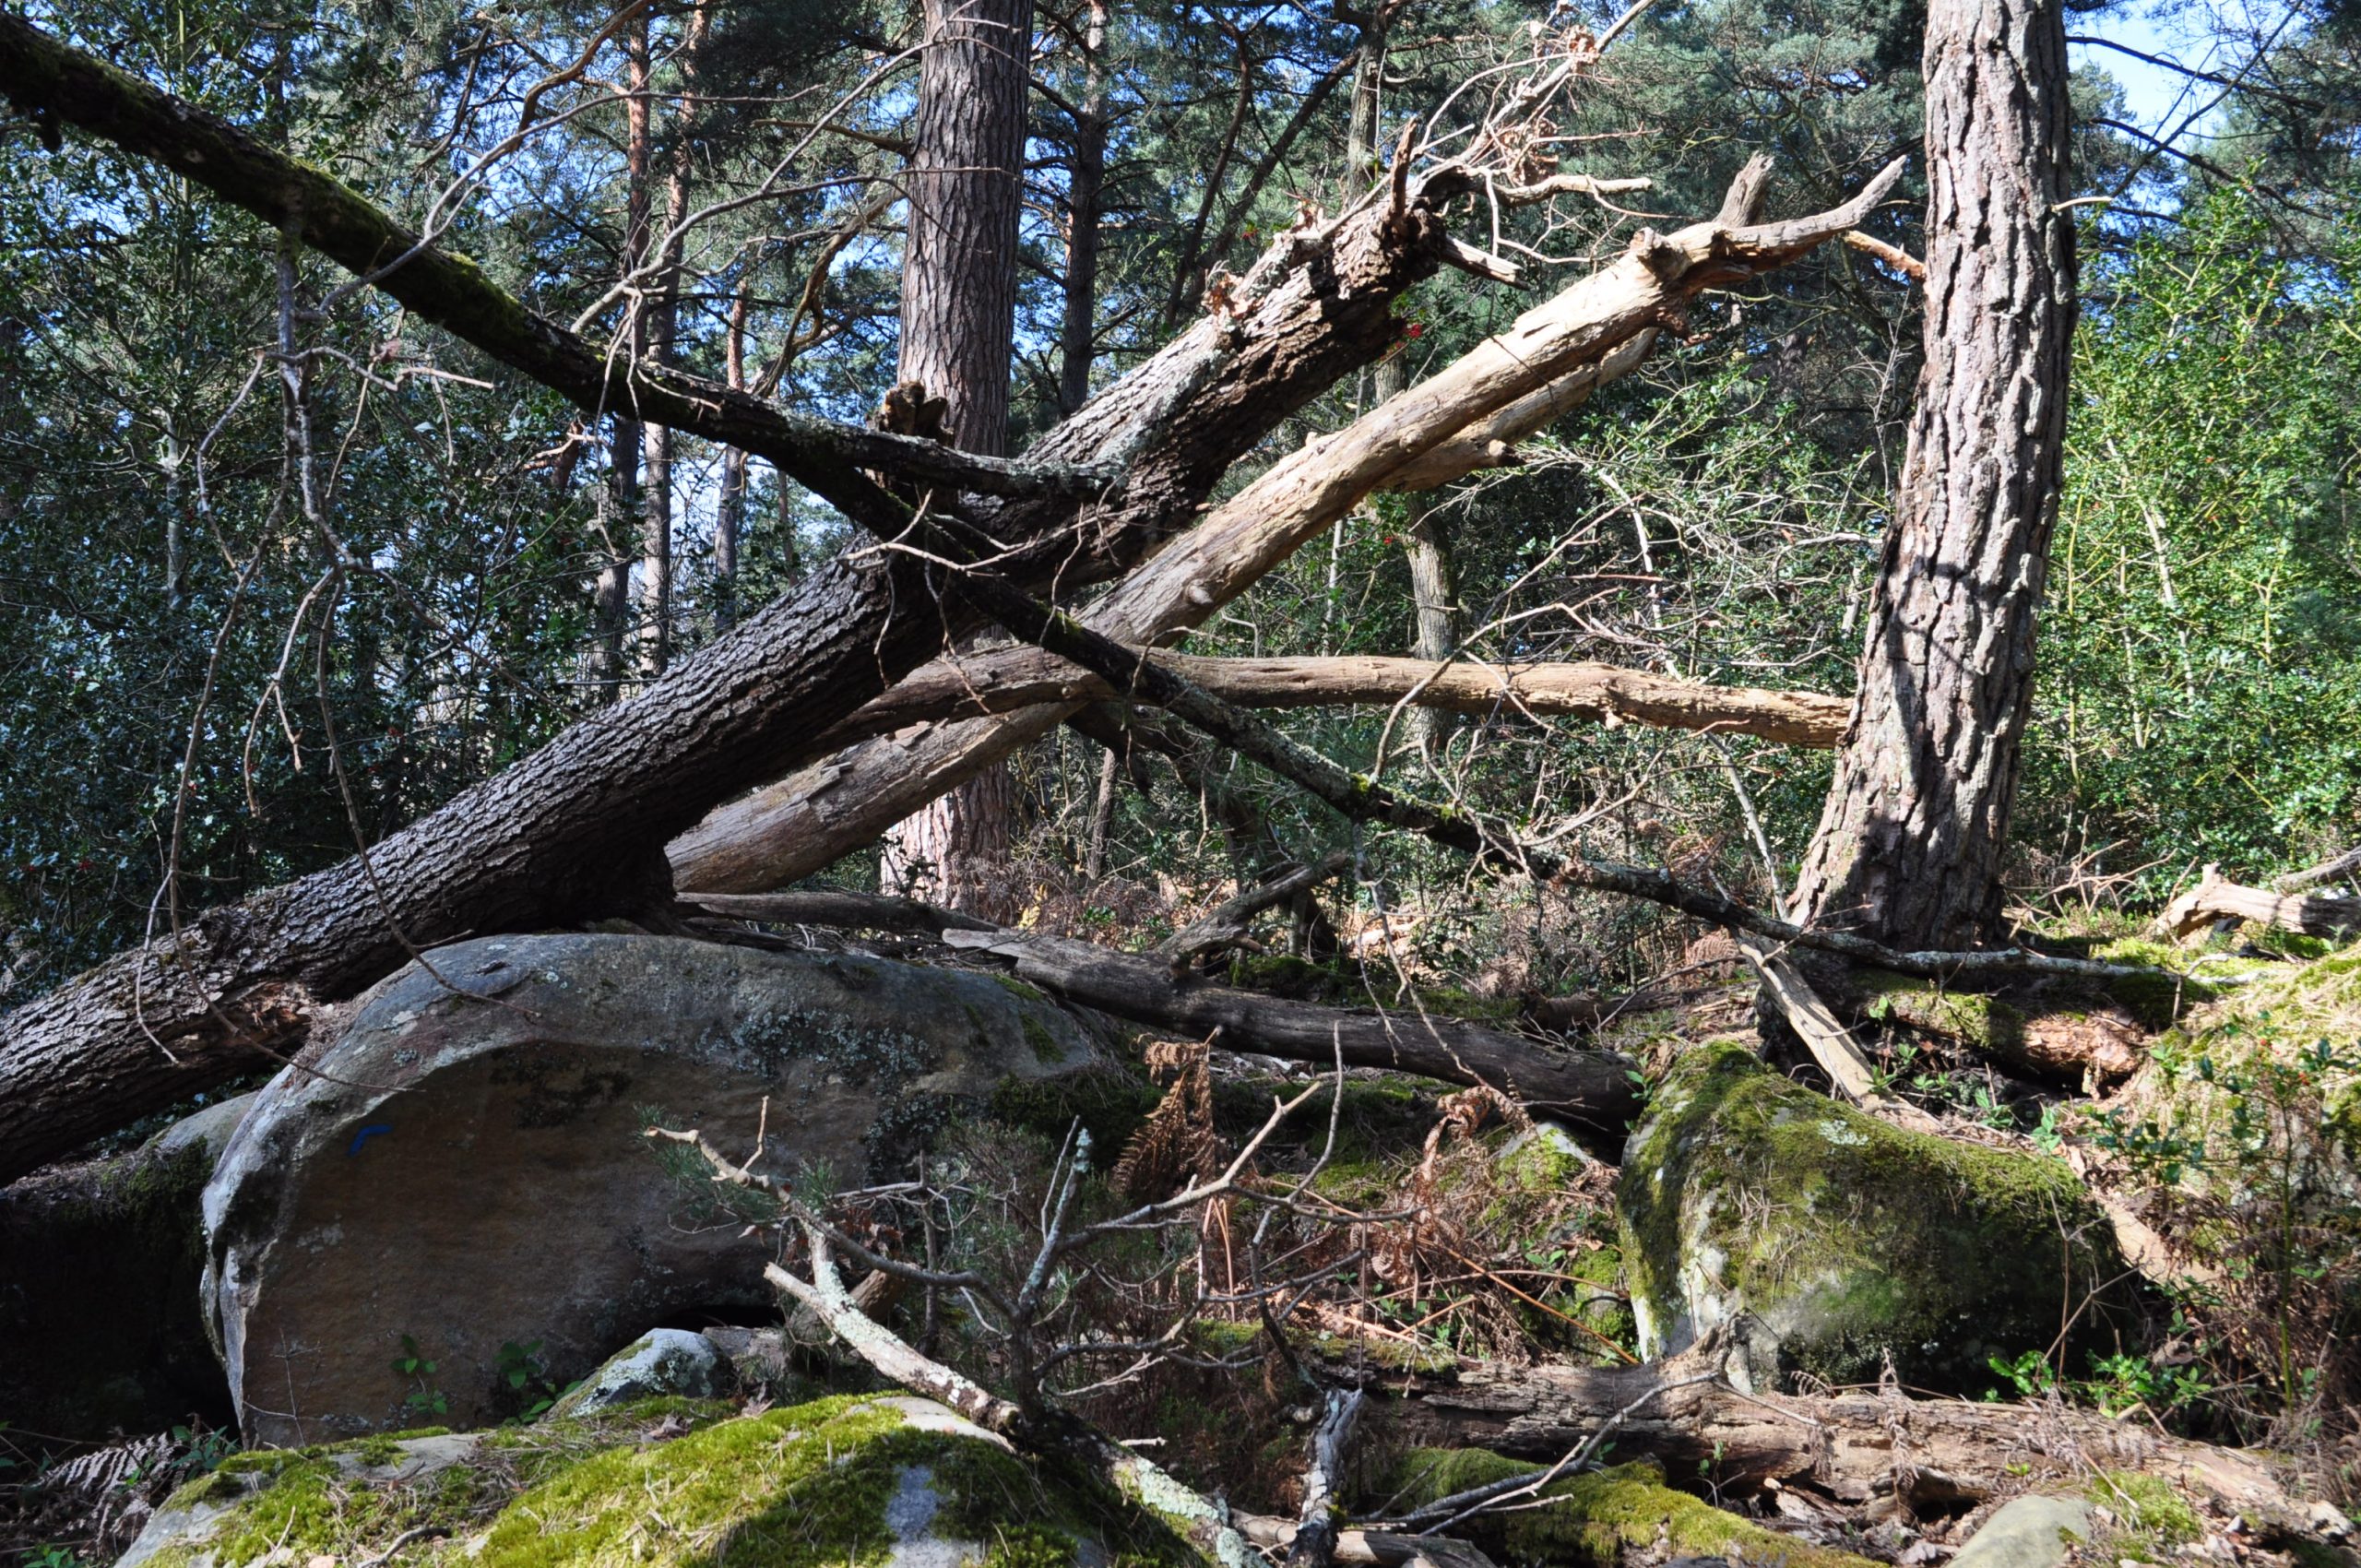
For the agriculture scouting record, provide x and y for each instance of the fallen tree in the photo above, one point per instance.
(1012, 679)
(1593, 330)
(571, 832)
(2217, 898)
(1591, 1089)
(1865, 1447)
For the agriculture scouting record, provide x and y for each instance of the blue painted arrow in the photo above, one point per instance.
(363, 1135)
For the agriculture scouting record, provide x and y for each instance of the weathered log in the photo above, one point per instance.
(1589, 1089)
(568, 833)
(826, 810)
(1011, 680)
(2346, 867)
(1859, 1448)
(2215, 898)
(2068, 1035)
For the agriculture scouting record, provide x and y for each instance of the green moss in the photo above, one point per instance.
(1847, 1238)
(1020, 989)
(808, 1486)
(2150, 1517)
(1109, 1101)
(1592, 1519)
(1046, 1048)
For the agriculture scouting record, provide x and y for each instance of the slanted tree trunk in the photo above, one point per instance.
(1451, 424)
(958, 334)
(1909, 845)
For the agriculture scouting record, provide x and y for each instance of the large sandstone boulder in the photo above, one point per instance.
(1828, 1239)
(460, 1183)
(101, 1326)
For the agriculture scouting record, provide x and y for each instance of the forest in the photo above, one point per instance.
(1160, 783)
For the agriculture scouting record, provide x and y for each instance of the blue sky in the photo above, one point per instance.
(2160, 101)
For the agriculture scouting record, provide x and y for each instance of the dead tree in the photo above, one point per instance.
(1595, 329)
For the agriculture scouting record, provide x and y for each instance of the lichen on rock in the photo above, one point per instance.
(1831, 1240)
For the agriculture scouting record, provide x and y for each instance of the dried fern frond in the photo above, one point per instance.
(1177, 1142)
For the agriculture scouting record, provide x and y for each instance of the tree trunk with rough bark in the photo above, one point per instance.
(958, 332)
(1908, 849)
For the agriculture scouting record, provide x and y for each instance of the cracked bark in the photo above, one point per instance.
(1908, 849)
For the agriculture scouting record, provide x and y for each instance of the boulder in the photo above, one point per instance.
(458, 1187)
(886, 1480)
(2028, 1532)
(662, 1362)
(1624, 1517)
(1830, 1240)
(100, 1314)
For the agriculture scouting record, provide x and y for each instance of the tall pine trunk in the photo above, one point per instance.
(958, 332)
(1086, 188)
(620, 515)
(1909, 845)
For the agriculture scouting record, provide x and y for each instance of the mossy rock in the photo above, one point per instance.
(1831, 1240)
(1614, 1518)
(2254, 1102)
(856, 1481)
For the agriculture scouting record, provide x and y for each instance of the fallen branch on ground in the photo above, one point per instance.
(1859, 1448)
(1227, 926)
(2215, 898)
(2346, 867)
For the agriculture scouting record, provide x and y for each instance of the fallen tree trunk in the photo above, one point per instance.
(2215, 898)
(569, 833)
(1595, 328)
(1590, 1089)
(1011, 680)
(2346, 867)
(1859, 1448)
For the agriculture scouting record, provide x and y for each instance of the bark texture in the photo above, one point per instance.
(1908, 849)
(1590, 1089)
(1011, 680)
(958, 329)
(2216, 899)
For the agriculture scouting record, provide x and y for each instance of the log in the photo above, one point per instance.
(2346, 867)
(1860, 1447)
(1011, 680)
(2214, 898)
(569, 833)
(1590, 1090)
(826, 810)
